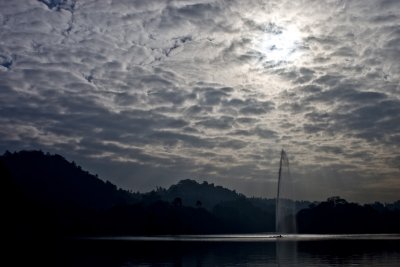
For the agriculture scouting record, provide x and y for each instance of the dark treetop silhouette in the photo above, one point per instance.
(46, 196)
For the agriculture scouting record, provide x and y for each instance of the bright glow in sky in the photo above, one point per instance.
(148, 92)
(281, 44)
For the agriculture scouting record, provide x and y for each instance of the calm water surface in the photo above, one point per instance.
(226, 250)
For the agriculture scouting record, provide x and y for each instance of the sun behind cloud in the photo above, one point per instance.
(154, 91)
(279, 44)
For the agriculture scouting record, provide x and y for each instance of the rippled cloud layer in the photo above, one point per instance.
(148, 92)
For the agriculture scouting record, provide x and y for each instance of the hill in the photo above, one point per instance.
(194, 194)
(45, 194)
(336, 215)
(52, 179)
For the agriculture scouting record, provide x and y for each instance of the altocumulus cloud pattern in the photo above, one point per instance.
(147, 92)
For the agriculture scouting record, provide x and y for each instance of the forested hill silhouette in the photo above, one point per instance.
(51, 178)
(336, 215)
(45, 195)
(196, 194)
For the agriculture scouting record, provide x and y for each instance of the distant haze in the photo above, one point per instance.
(146, 92)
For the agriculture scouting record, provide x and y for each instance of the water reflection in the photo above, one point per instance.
(286, 253)
(277, 253)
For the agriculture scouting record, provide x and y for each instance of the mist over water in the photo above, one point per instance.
(285, 201)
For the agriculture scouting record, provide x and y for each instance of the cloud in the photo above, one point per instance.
(149, 92)
(60, 4)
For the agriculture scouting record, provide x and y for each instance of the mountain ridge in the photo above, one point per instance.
(46, 195)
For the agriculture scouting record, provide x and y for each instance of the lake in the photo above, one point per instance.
(224, 250)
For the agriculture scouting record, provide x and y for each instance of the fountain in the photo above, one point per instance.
(285, 222)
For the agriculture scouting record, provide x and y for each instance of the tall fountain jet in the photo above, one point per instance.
(285, 200)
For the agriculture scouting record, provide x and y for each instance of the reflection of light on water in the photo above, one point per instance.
(251, 237)
(180, 250)
(286, 254)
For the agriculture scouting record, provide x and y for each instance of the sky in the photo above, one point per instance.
(148, 92)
